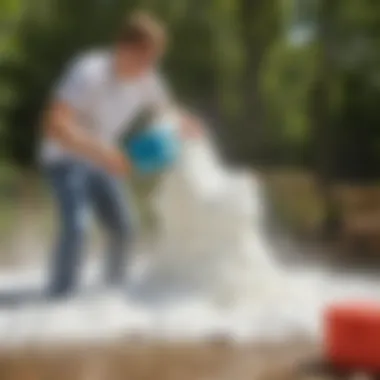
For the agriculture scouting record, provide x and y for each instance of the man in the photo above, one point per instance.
(91, 108)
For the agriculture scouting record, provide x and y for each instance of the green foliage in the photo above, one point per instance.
(286, 80)
(47, 37)
(207, 60)
(234, 60)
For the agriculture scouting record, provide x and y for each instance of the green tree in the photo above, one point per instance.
(47, 36)
(286, 80)
(260, 22)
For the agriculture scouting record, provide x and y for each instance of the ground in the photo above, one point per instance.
(296, 205)
(138, 361)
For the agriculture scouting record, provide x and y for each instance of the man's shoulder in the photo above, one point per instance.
(92, 63)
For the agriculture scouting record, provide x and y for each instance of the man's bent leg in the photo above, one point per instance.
(116, 212)
(69, 185)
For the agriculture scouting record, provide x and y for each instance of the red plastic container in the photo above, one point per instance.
(352, 335)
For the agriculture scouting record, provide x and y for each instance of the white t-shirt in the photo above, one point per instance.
(104, 105)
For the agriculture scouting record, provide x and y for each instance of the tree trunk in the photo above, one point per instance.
(259, 28)
(324, 138)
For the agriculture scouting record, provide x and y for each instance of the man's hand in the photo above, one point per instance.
(116, 163)
(191, 126)
(60, 124)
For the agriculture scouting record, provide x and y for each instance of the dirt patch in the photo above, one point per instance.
(159, 362)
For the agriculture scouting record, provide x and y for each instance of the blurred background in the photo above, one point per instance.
(290, 87)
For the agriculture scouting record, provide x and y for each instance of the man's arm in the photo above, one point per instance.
(163, 104)
(61, 125)
(60, 121)
(191, 126)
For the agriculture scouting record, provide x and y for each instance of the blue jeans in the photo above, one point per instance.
(79, 188)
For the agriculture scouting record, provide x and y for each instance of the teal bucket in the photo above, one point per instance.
(154, 150)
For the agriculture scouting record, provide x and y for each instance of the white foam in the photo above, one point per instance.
(211, 272)
(292, 308)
